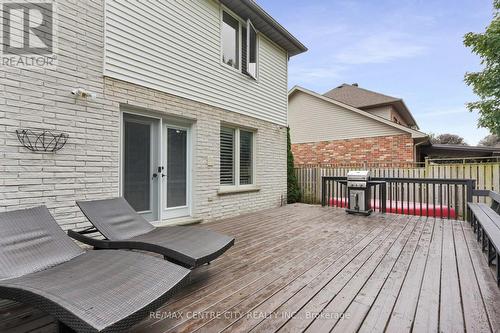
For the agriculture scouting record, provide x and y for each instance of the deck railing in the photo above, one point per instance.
(443, 198)
(486, 173)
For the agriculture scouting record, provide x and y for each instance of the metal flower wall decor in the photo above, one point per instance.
(42, 141)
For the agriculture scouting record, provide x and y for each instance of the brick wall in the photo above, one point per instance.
(88, 166)
(386, 149)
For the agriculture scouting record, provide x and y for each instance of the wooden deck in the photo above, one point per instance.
(306, 268)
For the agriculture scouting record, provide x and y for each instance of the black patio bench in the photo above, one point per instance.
(485, 221)
(93, 291)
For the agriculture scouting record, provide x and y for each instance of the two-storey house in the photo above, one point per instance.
(350, 125)
(180, 106)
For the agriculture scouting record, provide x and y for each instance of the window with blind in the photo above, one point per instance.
(246, 158)
(227, 156)
(236, 157)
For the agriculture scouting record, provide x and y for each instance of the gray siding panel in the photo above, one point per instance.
(382, 111)
(312, 120)
(174, 46)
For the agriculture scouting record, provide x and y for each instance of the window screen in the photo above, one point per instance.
(246, 157)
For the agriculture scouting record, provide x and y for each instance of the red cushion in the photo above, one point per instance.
(405, 208)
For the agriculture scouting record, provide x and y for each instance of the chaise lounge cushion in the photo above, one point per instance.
(124, 228)
(190, 245)
(31, 241)
(95, 291)
(99, 291)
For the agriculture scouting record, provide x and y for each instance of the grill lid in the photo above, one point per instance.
(359, 175)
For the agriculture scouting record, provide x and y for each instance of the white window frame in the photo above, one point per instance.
(223, 9)
(241, 23)
(236, 162)
(251, 26)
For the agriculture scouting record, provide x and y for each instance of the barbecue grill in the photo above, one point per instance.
(358, 192)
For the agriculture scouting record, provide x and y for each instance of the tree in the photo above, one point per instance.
(486, 84)
(490, 141)
(293, 192)
(447, 139)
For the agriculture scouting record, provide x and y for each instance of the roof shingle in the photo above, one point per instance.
(358, 97)
(365, 99)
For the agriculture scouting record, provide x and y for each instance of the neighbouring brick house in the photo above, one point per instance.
(351, 125)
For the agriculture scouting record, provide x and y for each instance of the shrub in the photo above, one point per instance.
(293, 192)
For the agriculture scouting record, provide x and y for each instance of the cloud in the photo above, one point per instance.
(380, 48)
(320, 31)
(440, 112)
(314, 73)
(315, 77)
(452, 119)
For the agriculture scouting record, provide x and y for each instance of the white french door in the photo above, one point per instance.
(176, 175)
(156, 167)
(140, 158)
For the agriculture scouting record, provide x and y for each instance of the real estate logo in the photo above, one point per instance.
(28, 34)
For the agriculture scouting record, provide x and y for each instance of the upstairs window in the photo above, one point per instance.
(252, 50)
(230, 40)
(239, 44)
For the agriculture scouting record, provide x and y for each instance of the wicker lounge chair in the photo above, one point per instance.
(94, 291)
(124, 228)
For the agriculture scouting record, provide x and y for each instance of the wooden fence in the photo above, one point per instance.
(487, 175)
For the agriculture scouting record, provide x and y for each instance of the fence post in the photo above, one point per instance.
(471, 186)
(426, 167)
(323, 192)
(383, 197)
(317, 191)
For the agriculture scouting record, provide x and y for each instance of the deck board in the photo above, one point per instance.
(485, 277)
(381, 309)
(306, 268)
(427, 313)
(337, 303)
(403, 313)
(451, 311)
(475, 316)
(361, 304)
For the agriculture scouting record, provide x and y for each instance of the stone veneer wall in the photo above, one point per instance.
(381, 149)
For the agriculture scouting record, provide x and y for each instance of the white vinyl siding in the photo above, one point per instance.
(175, 47)
(312, 119)
(382, 111)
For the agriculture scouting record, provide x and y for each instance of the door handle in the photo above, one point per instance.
(160, 171)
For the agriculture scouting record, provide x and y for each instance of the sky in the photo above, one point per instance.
(411, 49)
